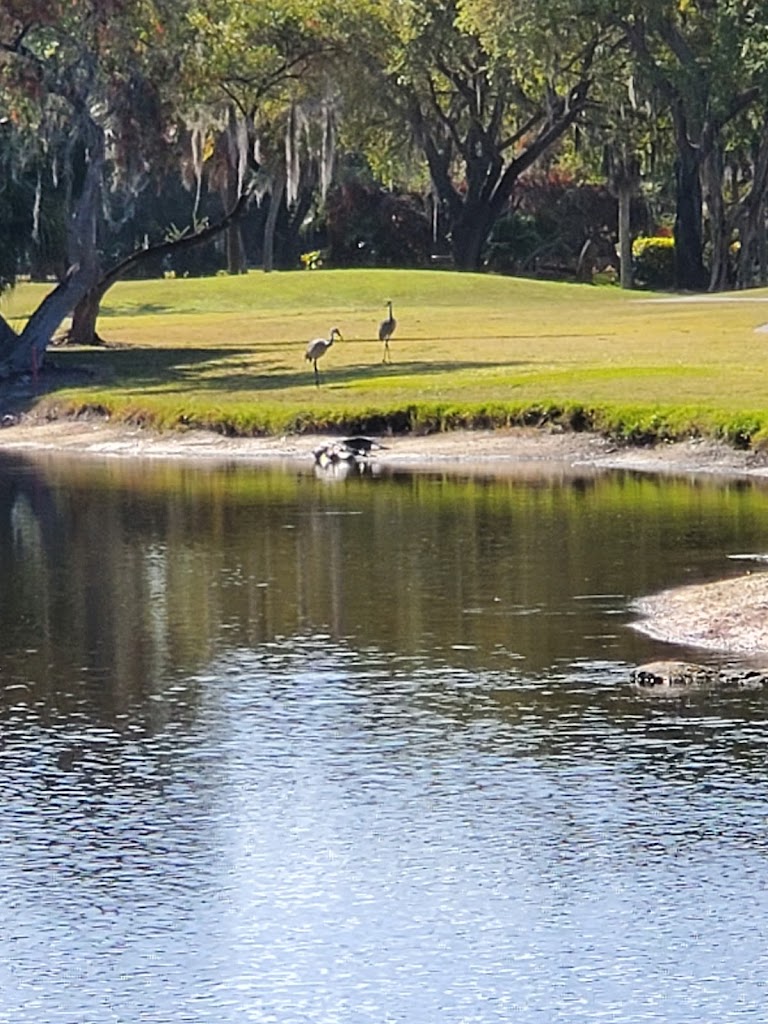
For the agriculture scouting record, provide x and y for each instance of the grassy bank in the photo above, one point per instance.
(469, 350)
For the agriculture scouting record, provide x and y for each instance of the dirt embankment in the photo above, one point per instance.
(487, 450)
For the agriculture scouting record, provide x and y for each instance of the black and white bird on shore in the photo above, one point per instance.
(318, 347)
(352, 451)
(386, 330)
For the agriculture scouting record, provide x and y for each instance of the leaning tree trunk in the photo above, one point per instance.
(86, 312)
(25, 352)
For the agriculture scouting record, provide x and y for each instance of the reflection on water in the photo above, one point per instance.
(277, 751)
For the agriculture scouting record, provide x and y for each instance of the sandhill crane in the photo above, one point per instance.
(386, 330)
(318, 347)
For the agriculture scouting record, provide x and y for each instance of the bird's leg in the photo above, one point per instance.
(317, 375)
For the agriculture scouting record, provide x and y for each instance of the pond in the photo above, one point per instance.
(279, 748)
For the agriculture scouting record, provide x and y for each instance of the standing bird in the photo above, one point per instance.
(319, 347)
(386, 330)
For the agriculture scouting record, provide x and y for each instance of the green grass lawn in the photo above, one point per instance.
(474, 350)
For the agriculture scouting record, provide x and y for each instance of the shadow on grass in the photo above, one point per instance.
(146, 368)
(188, 369)
(191, 370)
(20, 394)
(144, 309)
(104, 368)
(330, 376)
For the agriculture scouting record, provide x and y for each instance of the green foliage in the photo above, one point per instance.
(312, 260)
(654, 261)
(82, 81)
(513, 244)
(473, 86)
(555, 215)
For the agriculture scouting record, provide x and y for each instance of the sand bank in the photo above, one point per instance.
(488, 451)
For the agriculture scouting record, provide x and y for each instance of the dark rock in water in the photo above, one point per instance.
(672, 673)
(676, 674)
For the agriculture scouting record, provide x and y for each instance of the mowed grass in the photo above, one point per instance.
(469, 350)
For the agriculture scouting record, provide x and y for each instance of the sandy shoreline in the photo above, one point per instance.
(486, 451)
(726, 616)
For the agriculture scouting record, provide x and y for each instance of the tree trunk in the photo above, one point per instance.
(7, 337)
(690, 272)
(753, 251)
(84, 318)
(712, 177)
(626, 278)
(26, 351)
(469, 234)
(275, 199)
(235, 250)
(584, 264)
(288, 249)
(489, 177)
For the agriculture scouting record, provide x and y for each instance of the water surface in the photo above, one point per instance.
(279, 749)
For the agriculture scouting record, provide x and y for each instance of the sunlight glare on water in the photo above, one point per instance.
(339, 838)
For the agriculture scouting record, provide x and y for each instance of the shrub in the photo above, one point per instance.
(370, 226)
(312, 260)
(513, 244)
(560, 228)
(653, 261)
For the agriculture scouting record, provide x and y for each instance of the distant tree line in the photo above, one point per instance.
(191, 136)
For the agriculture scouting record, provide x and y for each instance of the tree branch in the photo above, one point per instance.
(198, 237)
(8, 336)
(571, 108)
